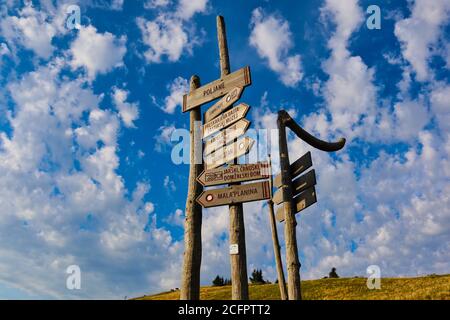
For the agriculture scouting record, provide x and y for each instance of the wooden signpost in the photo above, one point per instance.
(303, 201)
(223, 104)
(190, 278)
(304, 182)
(235, 173)
(223, 125)
(229, 153)
(225, 120)
(292, 205)
(216, 89)
(235, 194)
(296, 168)
(226, 136)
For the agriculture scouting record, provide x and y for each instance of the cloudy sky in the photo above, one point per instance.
(87, 115)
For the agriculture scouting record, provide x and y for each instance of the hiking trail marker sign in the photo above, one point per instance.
(224, 126)
(235, 194)
(225, 120)
(294, 194)
(226, 136)
(217, 88)
(223, 104)
(303, 201)
(229, 153)
(298, 185)
(235, 173)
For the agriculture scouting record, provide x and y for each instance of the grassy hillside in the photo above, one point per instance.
(429, 287)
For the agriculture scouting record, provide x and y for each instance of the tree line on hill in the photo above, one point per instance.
(257, 278)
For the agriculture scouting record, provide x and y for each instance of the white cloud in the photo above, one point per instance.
(117, 5)
(440, 98)
(162, 139)
(152, 4)
(177, 88)
(419, 34)
(60, 194)
(97, 52)
(4, 50)
(176, 218)
(411, 117)
(30, 29)
(170, 34)
(164, 36)
(129, 112)
(188, 8)
(169, 184)
(272, 38)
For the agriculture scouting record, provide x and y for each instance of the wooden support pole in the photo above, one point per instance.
(238, 261)
(276, 243)
(292, 261)
(190, 286)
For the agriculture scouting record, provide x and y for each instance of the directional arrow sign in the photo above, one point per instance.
(235, 194)
(303, 201)
(223, 104)
(216, 89)
(235, 173)
(226, 136)
(225, 120)
(296, 168)
(229, 153)
(298, 185)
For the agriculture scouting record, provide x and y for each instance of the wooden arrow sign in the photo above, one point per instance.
(223, 104)
(296, 168)
(225, 120)
(235, 173)
(229, 153)
(226, 136)
(303, 201)
(235, 194)
(216, 89)
(299, 185)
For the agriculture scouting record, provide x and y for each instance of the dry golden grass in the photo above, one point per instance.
(422, 288)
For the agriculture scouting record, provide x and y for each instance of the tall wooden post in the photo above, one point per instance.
(292, 261)
(276, 243)
(239, 280)
(190, 286)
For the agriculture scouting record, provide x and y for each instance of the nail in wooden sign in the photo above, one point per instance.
(229, 153)
(303, 201)
(299, 185)
(217, 88)
(296, 168)
(225, 120)
(235, 173)
(223, 104)
(226, 136)
(235, 194)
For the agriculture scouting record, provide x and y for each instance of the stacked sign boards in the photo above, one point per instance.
(223, 133)
(303, 189)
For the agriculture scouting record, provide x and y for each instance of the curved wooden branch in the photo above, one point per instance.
(309, 138)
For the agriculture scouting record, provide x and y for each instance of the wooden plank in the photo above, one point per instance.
(225, 120)
(223, 104)
(299, 185)
(304, 182)
(296, 168)
(235, 173)
(217, 88)
(229, 153)
(226, 136)
(303, 201)
(235, 194)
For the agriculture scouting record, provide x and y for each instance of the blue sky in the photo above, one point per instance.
(86, 117)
